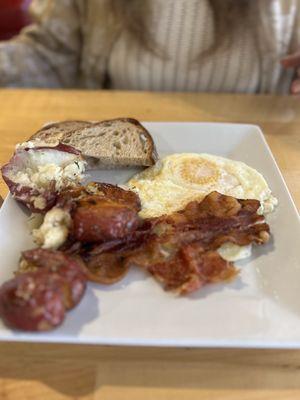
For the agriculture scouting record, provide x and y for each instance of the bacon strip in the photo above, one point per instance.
(182, 254)
(106, 268)
(180, 250)
(190, 270)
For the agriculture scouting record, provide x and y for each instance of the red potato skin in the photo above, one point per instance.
(26, 194)
(101, 191)
(38, 300)
(101, 221)
(70, 270)
(40, 309)
(121, 196)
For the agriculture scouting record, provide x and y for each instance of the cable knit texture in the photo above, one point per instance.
(68, 46)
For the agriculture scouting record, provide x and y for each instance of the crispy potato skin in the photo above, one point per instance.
(38, 300)
(100, 221)
(32, 302)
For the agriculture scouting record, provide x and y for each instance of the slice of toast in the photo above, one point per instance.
(113, 143)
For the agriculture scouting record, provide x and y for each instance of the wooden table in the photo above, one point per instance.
(52, 372)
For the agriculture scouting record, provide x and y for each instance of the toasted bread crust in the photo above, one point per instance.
(62, 127)
(62, 131)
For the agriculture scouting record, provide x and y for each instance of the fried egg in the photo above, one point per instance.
(177, 179)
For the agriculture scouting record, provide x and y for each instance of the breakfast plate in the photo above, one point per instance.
(261, 308)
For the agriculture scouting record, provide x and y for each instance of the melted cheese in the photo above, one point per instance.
(233, 252)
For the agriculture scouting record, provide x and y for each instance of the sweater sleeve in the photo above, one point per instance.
(295, 40)
(46, 53)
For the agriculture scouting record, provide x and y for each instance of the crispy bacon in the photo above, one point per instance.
(214, 221)
(214, 205)
(180, 265)
(106, 262)
(182, 253)
(190, 268)
(106, 268)
(126, 244)
(180, 249)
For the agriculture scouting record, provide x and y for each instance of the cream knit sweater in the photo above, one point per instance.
(68, 47)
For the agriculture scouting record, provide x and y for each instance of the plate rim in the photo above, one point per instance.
(190, 343)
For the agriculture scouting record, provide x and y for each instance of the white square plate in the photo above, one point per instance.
(261, 308)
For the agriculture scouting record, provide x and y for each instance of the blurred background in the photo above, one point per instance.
(221, 46)
(13, 17)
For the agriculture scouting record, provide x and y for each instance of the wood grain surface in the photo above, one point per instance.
(61, 372)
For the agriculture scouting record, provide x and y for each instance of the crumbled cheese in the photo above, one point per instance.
(42, 175)
(21, 177)
(54, 230)
(92, 188)
(39, 202)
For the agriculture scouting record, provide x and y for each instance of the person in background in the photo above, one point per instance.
(243, 46)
